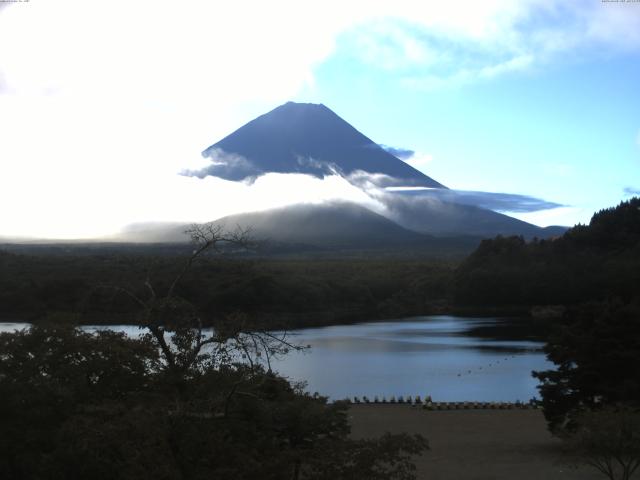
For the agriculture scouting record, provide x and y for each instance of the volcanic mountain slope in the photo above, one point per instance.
(312, 227)
(344, 225)
(329, 225)
(339, 224)
(311, 139)
(306, 138)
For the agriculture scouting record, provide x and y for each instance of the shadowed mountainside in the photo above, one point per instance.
(306, 138)
(311, 139)
(336, 224)
(339, 225)
(412, 223)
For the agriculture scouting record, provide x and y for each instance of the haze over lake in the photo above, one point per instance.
(430, 355)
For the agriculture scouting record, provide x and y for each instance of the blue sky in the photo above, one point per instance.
(566, 129)
(101, 106)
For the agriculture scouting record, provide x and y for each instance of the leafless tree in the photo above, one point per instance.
(177, 328)
(608, 439)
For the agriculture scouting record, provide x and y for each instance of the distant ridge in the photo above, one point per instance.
(331, 225)
(306, 138)
(339, 224)
(327, 227)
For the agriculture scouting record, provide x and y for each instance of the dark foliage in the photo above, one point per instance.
(175, 403)
(596, 350)
(608, 439)
(587, 263)
(286, 293)
(104, 406)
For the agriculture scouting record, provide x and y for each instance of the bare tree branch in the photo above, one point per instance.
(210, 236)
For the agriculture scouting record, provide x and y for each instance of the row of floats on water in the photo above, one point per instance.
(428, 404)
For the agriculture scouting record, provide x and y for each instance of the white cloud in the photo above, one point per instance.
(418, 160)
(100, 207)
(449, 44)
(499, 202)
(149, 49)
(102, 103)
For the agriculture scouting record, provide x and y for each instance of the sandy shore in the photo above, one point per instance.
(474, 444)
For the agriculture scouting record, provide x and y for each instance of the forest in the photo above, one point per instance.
(77, 405)
(588, 263)
(283, 293)
(504, 275)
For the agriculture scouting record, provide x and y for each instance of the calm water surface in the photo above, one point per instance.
(431, 355)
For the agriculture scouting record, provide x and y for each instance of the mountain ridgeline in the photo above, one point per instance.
(591, 262)
(310, 139)
(318, 228)
(431, 226)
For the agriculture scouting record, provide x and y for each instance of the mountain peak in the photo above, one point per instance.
(304, 107)
(306, 138)
(291, 104)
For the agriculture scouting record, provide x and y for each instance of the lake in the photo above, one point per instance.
(430, 355)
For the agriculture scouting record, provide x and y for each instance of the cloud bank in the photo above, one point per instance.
(101, 103)
(447, 45)
(499, 202)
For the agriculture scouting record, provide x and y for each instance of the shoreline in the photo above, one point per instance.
(474, 444)
(352, 319)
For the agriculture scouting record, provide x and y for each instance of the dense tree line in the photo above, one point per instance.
(589, 262)
(591, 399)
(282, 292)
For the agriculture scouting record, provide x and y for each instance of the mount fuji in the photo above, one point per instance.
(311, 139)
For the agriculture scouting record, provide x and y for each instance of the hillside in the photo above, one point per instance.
(327, 225)
(302, 228)
(588, 263)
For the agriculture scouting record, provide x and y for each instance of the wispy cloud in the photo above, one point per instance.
(401, 153)
(418, 160)
(500, 202)
(631, 191)
(439, 46)
(225, 165)
(91, 118)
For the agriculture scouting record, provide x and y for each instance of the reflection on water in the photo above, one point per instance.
(417, 356)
